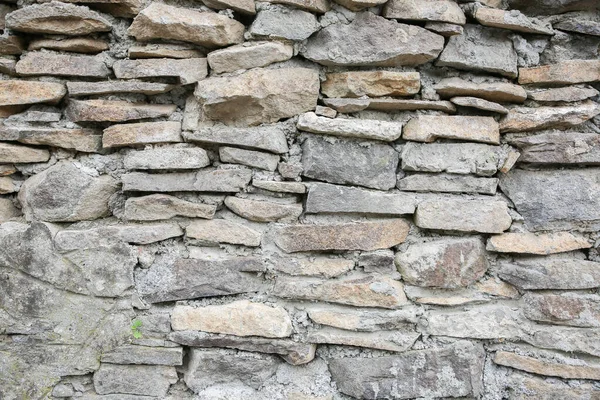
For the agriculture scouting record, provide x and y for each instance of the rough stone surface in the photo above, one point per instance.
(205, 180)
(568, 94)
(131, 354)
(142, 133)
(241, 6)
(430, 128)
(447, 183)
(15, 92)
(480, 104)
(513, 20)
(558, 148)
(364, 321)
(161, 206)
(188, 71)
(75, 45)
(251, 158)
(371, 83)
(360, 129)
(45, 63)
(263, 211)
(223, 231)
(249, 55)
(563, 309)
(522, 119)
(397, 340)
(493, 91)
(145, 380)
(564, 72)
(314, 266)
(265, 137)
(84, 140)
(430, 10)
(542, 367)
(282, 22)
(98, 88)
(541, 244)
(170, 158)
(114, 110)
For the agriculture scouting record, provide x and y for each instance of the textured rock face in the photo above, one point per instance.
(249, 55)
(371, 83)
(559, 148)
(25, 92)
(476, 129)
(431, 10)
(38, 63)
(361, 129)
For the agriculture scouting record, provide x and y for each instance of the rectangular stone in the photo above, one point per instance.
(84, 140)
(562, 73)
(249, 158)
(160, 206)
(131, 354)
(573, 309)
(352, 319)
(542, 244)
(371, 83)
(45, 63)
(115, 110)
(145, 380)
(497, 91)
(16, 154)
(397, 340)
(447, 183)
(98, 88)
(524, 119)
(188, 70)
(265, 137)
(249, 55)
(428, 128)
(580, 369)
(142, 133)
(313, 266)
(513, 20)
(18, 92)
(205, 180)
(352, 128)
(167, 158)
(558, 148)
(280, 186)
(264, 211)
(218, 231)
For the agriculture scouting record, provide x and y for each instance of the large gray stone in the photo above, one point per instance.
(205, 180)
(447, 183)
(46, 63)
(353, 128)
(282, 22)
(572, 309)
(189, 70)
(167, 158)
(84, 140)
(265, 137)
(161, 206)
(144, 380)
(558, 148)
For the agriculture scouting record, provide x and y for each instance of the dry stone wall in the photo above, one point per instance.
(299, 199)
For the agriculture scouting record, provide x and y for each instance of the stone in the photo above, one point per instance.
(555, 199)
(558, 148)
(283, 22)
(46, 63)
(551, 273)
(263, 211)
(325, 112)
(496, 91)
(428, 128)
(241, 6)
(7, 169)
(250, 158)
(458, 297)
(84, 140)
(115, 111)
(397, 340)
(541, 244)
(588, 370)
(553, 6)
(131, 354)
(281, 187)
(17, 92)
(8, 185)
(579, 22)
(314, 266)
(359, 5)
(249, 55)
(582, 310)
(513, 20)
(208, 29)
(240, 318)
(345, 105)
(371, 83)
(65, 192)
(169, 158)
(316, 6)
(446, 263)
(189, 70)
(530, 388)
(455, 158)
(205, 180)
(75, 45)
(148, 380)
(8, 210)
(447, 183)
(370, 235)
(8, 65)
(481, 49)
(349, 162)
(352, 128)
(162, 207)
(386, 377)
(351, 319)
(522, 119)
(160, 50)
(268, 95)
(98, 88)
(195, 278)
(265, 137)
(568, 94)
(378, 262)
(222, 231)
(562, 73)
(429, 10)
(138, 133)
(368, 291)
(118, 8)
(483, 216)
(16, 154)
(445, 29)
(370, 40)
(73, 239)
(57, 18)
(480, 104)
(325, 198)
(567, 339)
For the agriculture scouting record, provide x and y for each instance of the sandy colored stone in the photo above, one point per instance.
(16, 92)
(425, 10)
(222, 231)
(115, 111)
(240, 318)
(265, 137)
(241, 6)
(161, 50)
(141, 133)
(44, 63)
(347, 105)
(562, 73)
(569, 93)
(347, 236)
(325, 112)
(160, 206)
(8, 185)
(139, 380)
(314, 266)
(428, 128)
(534, 388)
(316, 6)
(75, 45)
(531, 243)
(474, 102)
(447, 183)
(573, 309)
(445, 29)
(204, 180)
(118, 8)
(84, 140)
(280, 186)
(189, 70)
(283, 23)
(251, 158)
(263, 211)
(167, 158)
(558, 148)
(493, 91)
(352, 128)
(396, 340)
(359, 5)
(11, 45)
(547, 368)
(353, 319)
(209, 29)
(16, 154)
(108, 87)
(522, 119)
(249, 55)
(513, 20)
(371, 83)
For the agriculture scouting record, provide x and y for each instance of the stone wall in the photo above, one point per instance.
(300, 200)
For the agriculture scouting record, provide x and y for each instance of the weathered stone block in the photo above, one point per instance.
(582, 310)
(84, 140)
(492, 91)
(115, 110)
(97, 88)
(249, 55)
(513, 20)
(523, 119)
(266, 137)
(263, 211)
(131, 354)
(542, 244)
(205, 180)
(551, 273)
(282, 22)
(430, 10)
(167, 158)
(371, 83)
(222, 231)
(16, 154)
(558, 148)
(148, 380)
(249, 158)
(161, 206)
(314, 266)
(585, 370)
(141, 133)
(351, 319)
(564, 72)
(397, 340)
(447, 183)
(429, 128)
(353, 128)
(16, 92)
(46, 63)
(188, 70)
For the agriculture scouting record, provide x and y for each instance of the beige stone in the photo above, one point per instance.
(492, 91)
(8, 210)
(251, 158)
(428, 128)
(162, 207)
(241, 6)
(358, 5)
(142, 133)
(585, 370)
(118, 8)
(249, 55)
(8, 185)
(347, 105)
(204, 180)
(240, 318)
(513, 20)
(347, 127)
(159, 50)
(353, 319)
(222, 231)
(498, 288)
(475, 102)
(84, 140)
(572, 309)
(17, 92)
(314, 266)
(188, 70)
(44, 63)
(445, 29)
(115, 110)
(16, 154)
(8, 65)
(484, 216)
(533, 388)
(396, 340)
(522, 119)
(75, 45)
(371, 83)
(209, 29)
(11, 45)
(425, 10)
(7, 169)
(167, 158)
(531, 243)
(263, 211)
(283, 187)
(569, 94)
(316, 6)
(108, 87)
(562, 73)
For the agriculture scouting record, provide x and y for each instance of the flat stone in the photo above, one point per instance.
(349, 162)
(352, 128)
(240, 318)
(281, 187)
(345, 105)
(371, 83)
(542, 244)
(46, 63)
(522, 119)
(445, 29)
(17, 92)
(378, 262)
(447, 263)
(316, 6)
(569, 94)
(368, 291)
(314, 266)
(269, 95)
(160, 206)
(587, 370)
(16, 154)
(241, 6)
(582, 310)
(57, 18)
(251, 158)
(130, 134)
(359, 5)
(551, 273)
(263, 211)
(558, 148)
(370, 40)
(352, 319)
(8, 185)
(462, 297)
(567, 339)
(222, 231)
(265, 137)
(326, 112)
(74, 239)
(455, 158)
(428, 128)
(148, 380)
(195, 278)
(8, 210)
(118, 8)
(75, 45)
(188, 70)
(447, 183)
(493, 91)
(208, 29)
(370, 235)
(553, 6)
(386, 377)
(562, 73)
(480, 104)
(115, 111)
(513, 20)
(205, 180)
(283, 22)
(481, 49)
(11, 45)
(555, 199)
(579, 22)
(84, 140)
(161, 158)
(431, 10)
(131, 354)
(483, 216)
(531, 388)
(398, 340)
(37, 114)
(8, 65)
(249, 55)
(162, 50)
(98, 88)
(325, 198)
(7, 169)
